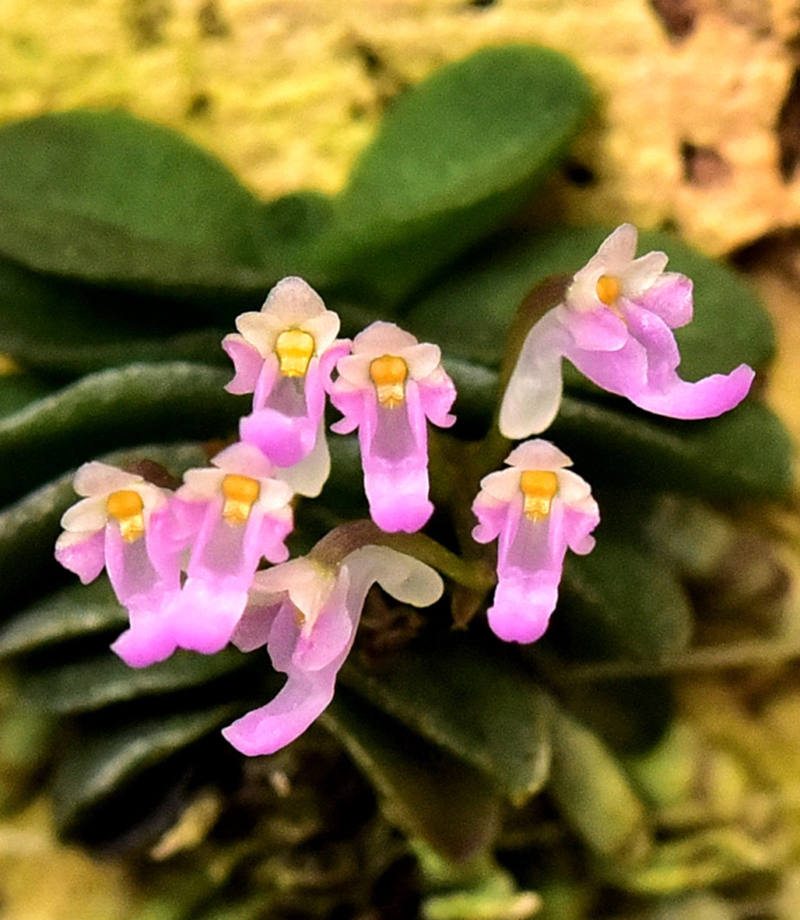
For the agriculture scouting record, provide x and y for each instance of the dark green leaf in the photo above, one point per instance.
(429, 793)
(18, 390)
(621, 600)
(58, 324)
(73, 611)
(108, 198)
(110, 410)
(453, 159)
(101, 764)
(744, 454)
(474, 700)
(91, 684)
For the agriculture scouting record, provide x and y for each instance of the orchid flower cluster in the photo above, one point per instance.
(187, 564)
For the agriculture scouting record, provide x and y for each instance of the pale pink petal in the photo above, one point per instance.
(150, 637)
(85, 557)
(599, 329)
(247, 363)
(670, 298)
(522, 607)
(304, 697)
(707, 398)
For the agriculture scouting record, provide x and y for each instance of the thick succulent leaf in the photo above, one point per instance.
(93, 683)
(427, 792)
(100, 765)
(69, 613)
(29, 528)
(620, 601)
(18, 390)
(744, 454)
(453, 159)
(110, 410)
(106, 197)
(594, 794)
(28, 532)
(470, 312)
(482, 706)
(42, 316)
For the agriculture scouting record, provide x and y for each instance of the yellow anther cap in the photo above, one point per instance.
(538, 487)
(608, 289)
(294, 348)
(389, 374)
(127, 507)
(241, 493)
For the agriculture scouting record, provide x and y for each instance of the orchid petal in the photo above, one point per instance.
(533, 395)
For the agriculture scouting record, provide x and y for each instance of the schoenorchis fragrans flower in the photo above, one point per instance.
(123, 524)
(231, 516)
(387, 388)
(284, 356)
(615, 325)
(306, 612)
(535, 510)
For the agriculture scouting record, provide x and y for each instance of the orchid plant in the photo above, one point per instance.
(410, 502)
(614, 324)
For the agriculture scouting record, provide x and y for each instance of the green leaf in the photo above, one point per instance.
(454, 158)
(93, 683)
(74, 611)
(108, 198)
(110, 410)
(470, 312)
(744, 454)
(619, 601)
(53, 323)
(102, 764)
(594, 794)
(482, 706)
(427, 792)
(67, 328)
(18, 390)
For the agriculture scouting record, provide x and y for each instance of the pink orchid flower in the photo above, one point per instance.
(306, 612)
(284, 356)
(615, 325)
(535, 510)
(123, 524)
(232, 516)
(387, 388)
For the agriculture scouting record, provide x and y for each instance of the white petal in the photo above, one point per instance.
(402, 576)
(382, 338)
(533, 395)
(538, 455)
(293, 301)
(617, 250)
(86, 516)
(201, 484)
(572, 490)
(245, 460)
(309, 475)
(422, 360)
(643, 273)
(501, 486)
(98, 478)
